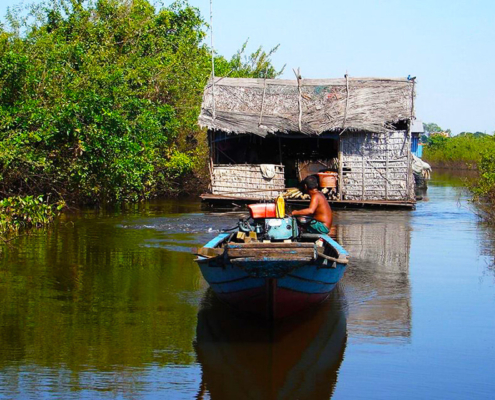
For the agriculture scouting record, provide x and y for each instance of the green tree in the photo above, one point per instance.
(99, 100)
(431, 128)
(257, 65)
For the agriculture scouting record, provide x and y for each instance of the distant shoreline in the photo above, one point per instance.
(462, 165)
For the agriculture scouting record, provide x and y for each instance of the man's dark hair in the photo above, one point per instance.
(311, 182)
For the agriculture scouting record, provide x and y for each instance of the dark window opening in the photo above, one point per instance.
(301, 155)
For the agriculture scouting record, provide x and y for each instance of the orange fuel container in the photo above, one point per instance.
(262, 210)
(328, 179)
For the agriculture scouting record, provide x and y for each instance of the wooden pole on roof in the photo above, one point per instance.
(211, 134)
(346, 102)
(212, 63)
(298, 77)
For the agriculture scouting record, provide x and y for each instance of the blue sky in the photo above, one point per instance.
(448, 45)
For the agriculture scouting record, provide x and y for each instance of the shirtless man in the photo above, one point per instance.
(318, 208)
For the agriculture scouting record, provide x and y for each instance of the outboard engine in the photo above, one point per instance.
(266, 224)
(280, 228)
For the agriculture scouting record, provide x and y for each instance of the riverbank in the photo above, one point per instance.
(468, 152)
(452, 165)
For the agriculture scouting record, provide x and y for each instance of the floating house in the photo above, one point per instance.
(268, 134)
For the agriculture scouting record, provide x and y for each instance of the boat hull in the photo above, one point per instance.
(293, 287)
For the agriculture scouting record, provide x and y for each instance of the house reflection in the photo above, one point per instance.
(377, 279)
(246, 359)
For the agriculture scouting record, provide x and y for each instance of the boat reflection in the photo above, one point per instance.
(247, 359)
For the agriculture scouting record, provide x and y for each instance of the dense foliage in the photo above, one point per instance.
(476, 150)
(461, 150)
(99, 101)
(484, 187)
(17, 213)
(432, 128)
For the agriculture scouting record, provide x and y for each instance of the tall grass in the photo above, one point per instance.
(466, 150)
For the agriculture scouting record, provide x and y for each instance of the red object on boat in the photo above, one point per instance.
(262, 210)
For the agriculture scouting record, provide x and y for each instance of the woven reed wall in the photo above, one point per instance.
(376, 166)
(246, 181)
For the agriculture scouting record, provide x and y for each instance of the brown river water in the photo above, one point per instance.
(110, 304)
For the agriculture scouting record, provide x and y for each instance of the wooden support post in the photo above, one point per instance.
(409, 179)
(386, 165)
(363, 165)
(210, 161)
(409, 168)
(341, 168)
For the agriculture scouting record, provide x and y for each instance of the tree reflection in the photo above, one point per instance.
(90, 297)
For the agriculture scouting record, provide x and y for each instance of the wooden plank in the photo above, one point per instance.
(272, 253)
(251, 186)
(245, 167)
(341, 169)
(260, 83)
(258, 259)
(208, 252)
(271, 245)
(408, 203)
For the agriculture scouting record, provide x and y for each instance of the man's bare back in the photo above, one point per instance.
(318, 208)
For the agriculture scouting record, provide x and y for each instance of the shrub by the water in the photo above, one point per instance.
(99, 100)
(461, 150)
(484, 188)
(476, 151)
(17, 213)
(93, 99)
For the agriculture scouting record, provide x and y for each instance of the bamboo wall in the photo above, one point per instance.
(246, 181)
(376, 166)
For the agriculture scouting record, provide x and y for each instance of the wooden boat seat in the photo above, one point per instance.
(257, 251)
(260, 251)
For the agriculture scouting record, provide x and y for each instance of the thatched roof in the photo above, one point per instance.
(313, 106)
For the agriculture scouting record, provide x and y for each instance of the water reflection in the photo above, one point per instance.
(377, 279)
(105, 305)
(486, 243)
(245, 359)
(89, 308)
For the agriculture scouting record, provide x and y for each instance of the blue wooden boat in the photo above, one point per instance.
(272, 279)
